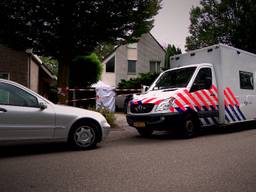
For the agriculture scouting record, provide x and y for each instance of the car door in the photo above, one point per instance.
(21, 116)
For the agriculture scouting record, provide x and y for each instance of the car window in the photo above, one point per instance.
(12, 95)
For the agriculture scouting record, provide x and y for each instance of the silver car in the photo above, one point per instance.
(25, 115)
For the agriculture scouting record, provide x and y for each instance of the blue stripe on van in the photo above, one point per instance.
(227, 110)
(234, 112)
(240, 112)
(227, 119)
(179, 109)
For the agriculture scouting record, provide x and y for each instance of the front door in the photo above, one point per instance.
(205, 92)
(21, 117)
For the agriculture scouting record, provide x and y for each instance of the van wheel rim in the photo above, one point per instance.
(189, 126)
(84, 136)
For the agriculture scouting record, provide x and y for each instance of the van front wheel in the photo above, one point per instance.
(146, 132)
(189, 127)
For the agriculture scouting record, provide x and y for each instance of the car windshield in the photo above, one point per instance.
(174, 78)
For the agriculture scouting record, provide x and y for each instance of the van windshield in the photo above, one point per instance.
(175, 78)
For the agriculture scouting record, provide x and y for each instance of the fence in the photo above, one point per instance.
(86, 97)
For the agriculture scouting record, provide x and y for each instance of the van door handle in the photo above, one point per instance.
(3, 110)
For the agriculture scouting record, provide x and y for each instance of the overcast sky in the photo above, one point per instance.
(172, 22)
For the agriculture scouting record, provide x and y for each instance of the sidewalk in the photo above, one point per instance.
(120, 122)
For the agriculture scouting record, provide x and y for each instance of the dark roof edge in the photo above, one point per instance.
(157, 41)
(43, 66)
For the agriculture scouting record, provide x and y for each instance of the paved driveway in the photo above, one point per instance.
(216, 160)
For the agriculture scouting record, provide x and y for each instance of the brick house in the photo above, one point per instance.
(26, 69)
(128, 61)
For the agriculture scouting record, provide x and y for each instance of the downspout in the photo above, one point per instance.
(29, 52)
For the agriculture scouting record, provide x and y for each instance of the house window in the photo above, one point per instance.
(110, 65)
(131, 66)
(4, 75)
(132, 45)
(154, 66)
(246, 80)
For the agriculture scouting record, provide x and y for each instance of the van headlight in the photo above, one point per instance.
(165, 105)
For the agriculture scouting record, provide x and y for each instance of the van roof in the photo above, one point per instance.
(216, 46)
(192, 65)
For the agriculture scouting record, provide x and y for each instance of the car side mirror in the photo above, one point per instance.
(42, 105)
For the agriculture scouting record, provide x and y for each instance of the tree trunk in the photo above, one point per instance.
(63, 78)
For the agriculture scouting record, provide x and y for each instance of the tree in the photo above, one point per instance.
(88, 67)
(64, 29)
(227, 21)
(170, 51)
(104, 49)
(51, 63)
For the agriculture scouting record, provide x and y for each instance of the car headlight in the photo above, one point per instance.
(165, 105)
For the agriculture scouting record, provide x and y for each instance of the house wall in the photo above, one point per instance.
(121, 64)
(108, 77)
(15, 63)
(34, 74)
(147, 50)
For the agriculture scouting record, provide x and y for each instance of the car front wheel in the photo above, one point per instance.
(84, 136)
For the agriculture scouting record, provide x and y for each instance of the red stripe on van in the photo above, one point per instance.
(147, 101)
(193, 99)
(228, 98)
(215, 88)
(186, 101)
(179, 105)
(172, 109)
(209, 98)
(213, 95)
(202, 99)
(233, 96)
(158, 102)
(225, 103)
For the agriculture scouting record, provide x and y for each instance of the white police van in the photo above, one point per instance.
(210, 86)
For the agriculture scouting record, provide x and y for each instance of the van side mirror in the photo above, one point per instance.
(42, 105)
(144, 88)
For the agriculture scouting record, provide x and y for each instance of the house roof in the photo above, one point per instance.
(43, 66)
(157, 42)
(111, 53)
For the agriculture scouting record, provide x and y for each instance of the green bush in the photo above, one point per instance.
(110, 116)
(85, 70)
(135, 83)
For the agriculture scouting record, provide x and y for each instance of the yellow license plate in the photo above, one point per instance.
(139, 124)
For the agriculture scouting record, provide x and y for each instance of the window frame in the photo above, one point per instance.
(132, 72)
(246, 87)
(114, 60)
(5, 73)
(157, 66)
(196, 85)
(37, 105)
